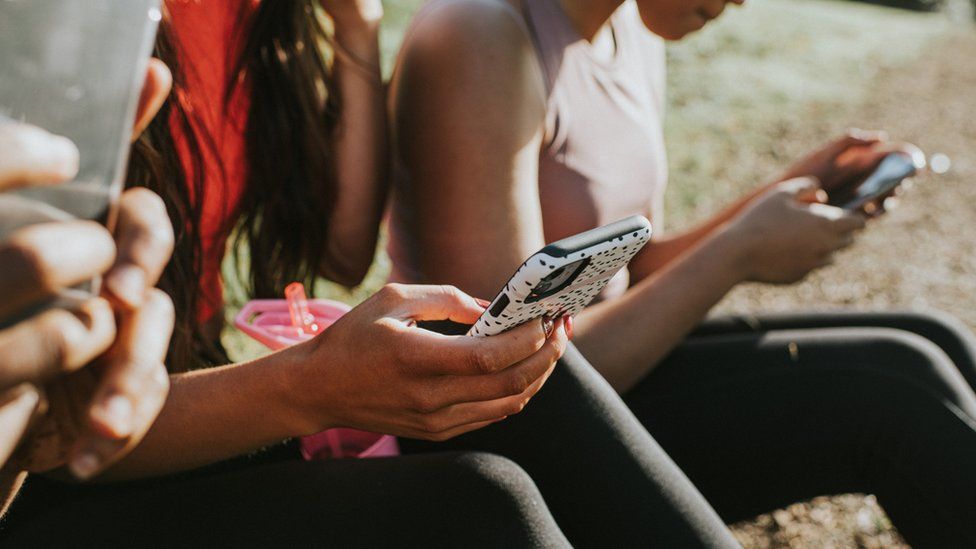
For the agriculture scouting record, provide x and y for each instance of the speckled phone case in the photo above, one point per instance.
(597, 255)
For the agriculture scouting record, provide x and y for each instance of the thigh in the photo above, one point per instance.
(444, 500)
(761, 420)
(607, 482)
(950, 334)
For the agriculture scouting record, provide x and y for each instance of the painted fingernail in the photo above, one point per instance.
(128, 283)
(115, 413)
(569, 326)
(548, 326)
(85, 464)
(484, 304)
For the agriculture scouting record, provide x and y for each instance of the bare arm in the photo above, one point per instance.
(215, 414)
(468, 109)
(661, 252)
(361, 147)
(373, 370)
(838, 163)
(778, 238)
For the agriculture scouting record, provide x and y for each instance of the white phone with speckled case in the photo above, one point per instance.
(565, 276)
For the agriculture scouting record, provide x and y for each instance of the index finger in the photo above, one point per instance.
(144, 238)
(132, 388)
(41, 260)
(32, 156)
(465, 355)
(420, 302)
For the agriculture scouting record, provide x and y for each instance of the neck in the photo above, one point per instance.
(589, 16)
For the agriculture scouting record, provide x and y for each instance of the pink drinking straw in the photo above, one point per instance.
(301, 318)
(304, 321)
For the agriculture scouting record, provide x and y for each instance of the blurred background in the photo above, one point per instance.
(754, 91)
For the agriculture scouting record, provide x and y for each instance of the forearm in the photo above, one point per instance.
(361, 157)
(215, 414)
(626, 337)
(662, 252)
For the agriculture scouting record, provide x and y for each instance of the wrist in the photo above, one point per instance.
(734, 249)
(294, 402)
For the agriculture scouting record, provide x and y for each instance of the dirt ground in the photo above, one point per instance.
(920, 256)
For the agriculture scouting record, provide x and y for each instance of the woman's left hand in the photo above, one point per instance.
(354, 15)
(844, 161)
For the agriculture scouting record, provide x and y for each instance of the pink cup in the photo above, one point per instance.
(269, 321)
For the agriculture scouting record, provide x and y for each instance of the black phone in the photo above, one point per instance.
(891, 171)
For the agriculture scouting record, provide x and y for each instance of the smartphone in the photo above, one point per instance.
(565, 276)
(892, 170)
(74, 68)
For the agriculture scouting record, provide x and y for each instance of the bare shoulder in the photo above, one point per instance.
(468, 19)
(477, 33)
(471, 62)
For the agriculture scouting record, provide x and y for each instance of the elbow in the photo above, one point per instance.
(347, 267)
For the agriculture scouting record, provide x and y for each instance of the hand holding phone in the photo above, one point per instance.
(565, 276)
(886, 177)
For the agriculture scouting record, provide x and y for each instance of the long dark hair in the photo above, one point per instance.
(290, 186)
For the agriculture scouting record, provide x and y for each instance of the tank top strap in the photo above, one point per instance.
(639, 52)
(551, 31)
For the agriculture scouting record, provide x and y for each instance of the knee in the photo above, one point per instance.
(497, 478)
(509, 502)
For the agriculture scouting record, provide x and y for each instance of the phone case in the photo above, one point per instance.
(76, 68)
(595, 256)
(889, 174)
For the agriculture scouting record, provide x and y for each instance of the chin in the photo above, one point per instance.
(673, 32)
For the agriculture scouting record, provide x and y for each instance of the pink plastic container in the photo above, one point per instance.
(269, 321)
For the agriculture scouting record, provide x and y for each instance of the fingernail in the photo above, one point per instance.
(85, 464)
(64, 155)
(484, 304)
(569, 326)
(116, 414)
(548, 326)
(128, 283)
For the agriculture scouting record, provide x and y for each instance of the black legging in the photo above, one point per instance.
(605, 480)
(436, 500)
(761, 412)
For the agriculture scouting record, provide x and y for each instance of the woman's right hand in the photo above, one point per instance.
(789, 231)
(377, 371)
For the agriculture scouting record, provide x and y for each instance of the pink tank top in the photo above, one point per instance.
(602, 156)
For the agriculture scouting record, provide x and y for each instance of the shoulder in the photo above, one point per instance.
(465, 31)
(478, 53)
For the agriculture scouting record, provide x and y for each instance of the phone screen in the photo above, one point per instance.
(74, 68)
